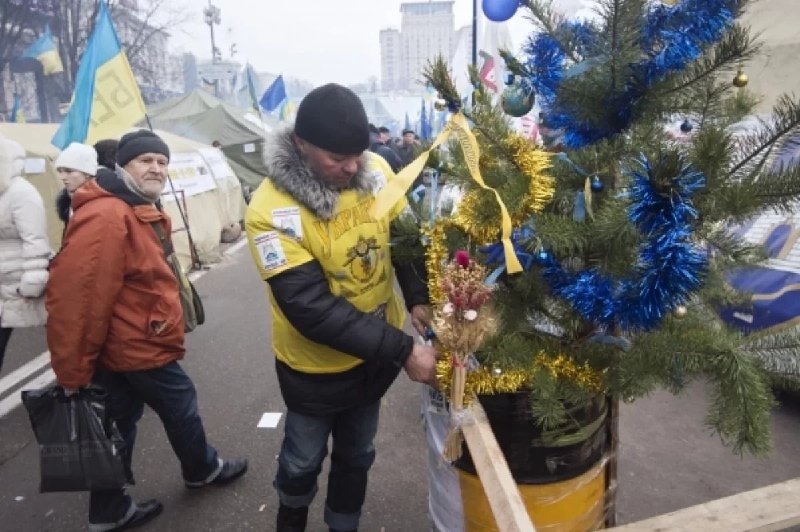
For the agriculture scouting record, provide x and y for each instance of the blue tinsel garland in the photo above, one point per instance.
(671, 38)
(668, 266)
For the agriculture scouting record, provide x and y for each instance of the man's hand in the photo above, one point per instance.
(421, 318)
(421, 365)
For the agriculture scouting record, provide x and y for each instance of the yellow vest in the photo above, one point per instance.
(352, 248)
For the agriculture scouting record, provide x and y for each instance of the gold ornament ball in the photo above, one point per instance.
(440, 104)
(741, 79)
(680, 311)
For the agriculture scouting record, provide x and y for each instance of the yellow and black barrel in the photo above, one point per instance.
(561, 473)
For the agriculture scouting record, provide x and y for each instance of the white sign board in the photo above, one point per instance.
(216, 160)
(34, 165)
(190, 174)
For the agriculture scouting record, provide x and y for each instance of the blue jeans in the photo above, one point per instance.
(171, 394)
(305, 445)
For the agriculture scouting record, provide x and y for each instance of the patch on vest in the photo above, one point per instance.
(287, 221)
(270, 250)
(380, 181)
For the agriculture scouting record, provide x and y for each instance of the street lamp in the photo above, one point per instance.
(474, 32)
(212, 16)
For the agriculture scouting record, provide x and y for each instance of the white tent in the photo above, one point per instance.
(206, 187)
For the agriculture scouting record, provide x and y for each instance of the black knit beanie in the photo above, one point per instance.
(133, 144)
(332, 117)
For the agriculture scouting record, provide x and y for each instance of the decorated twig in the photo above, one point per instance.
(463, 321)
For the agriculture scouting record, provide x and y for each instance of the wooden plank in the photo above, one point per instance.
(766, 509)
(498, 484)
(612, 440)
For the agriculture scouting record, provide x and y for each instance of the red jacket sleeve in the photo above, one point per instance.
(85, 278)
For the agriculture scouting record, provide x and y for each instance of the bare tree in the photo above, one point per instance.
(139, 25)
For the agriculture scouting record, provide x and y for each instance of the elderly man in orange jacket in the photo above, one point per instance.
(115, 318)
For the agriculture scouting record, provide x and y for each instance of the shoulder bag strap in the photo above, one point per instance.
(166, 243)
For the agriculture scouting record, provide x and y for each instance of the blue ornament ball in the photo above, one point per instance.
(597, 184)
(517, 99)
(500, 10)
(687, 126)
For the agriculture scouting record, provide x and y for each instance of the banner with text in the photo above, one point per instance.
(190, 174)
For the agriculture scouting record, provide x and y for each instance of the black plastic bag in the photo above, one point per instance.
(79, 448)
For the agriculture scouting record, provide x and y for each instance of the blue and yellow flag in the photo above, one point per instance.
(44, 50)
(287, 111)
(274, 96)
(17, 114)
(106, 100)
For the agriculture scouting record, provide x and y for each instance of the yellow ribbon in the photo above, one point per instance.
(396, 188)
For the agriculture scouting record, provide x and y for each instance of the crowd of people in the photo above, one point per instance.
(113, 315)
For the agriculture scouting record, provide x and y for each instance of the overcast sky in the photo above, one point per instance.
(317, 40)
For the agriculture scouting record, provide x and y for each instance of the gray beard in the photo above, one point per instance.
(133, 187)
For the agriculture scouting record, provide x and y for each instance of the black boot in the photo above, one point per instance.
(292, 519)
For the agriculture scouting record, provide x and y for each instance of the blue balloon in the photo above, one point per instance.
(500, 10)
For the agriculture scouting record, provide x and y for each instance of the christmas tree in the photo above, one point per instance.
(619, 233)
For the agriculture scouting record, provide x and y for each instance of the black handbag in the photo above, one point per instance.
(80, 449)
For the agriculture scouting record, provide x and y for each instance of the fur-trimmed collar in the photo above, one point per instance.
(291, 174)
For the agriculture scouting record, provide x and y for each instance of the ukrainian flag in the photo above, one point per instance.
(106, 100)
(287, 111)
(44, 50)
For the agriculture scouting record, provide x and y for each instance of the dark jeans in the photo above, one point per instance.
(5, 334)
(171, 394)
(305, 445)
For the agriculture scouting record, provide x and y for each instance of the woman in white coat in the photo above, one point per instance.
(24, 247)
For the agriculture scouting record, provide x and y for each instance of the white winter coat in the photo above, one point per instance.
(24, 247)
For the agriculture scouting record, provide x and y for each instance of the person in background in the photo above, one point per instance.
(336, 320)
(107, 153)
(376, 145)
(385, 136)
(24, 247)
(115, 319)
(75, 165)
(407, 149)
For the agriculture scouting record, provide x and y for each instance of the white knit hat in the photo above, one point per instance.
(78, 157)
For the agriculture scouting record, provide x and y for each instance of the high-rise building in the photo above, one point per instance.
(390, 59)
(426, 30)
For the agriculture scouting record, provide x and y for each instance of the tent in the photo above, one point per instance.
(207, 188)
(204, 118)
(774, 285)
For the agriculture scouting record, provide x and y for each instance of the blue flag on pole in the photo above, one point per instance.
(424, 124)
(106, 100)
(251, 86)
(274, 96)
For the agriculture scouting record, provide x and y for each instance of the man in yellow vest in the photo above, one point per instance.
(336, 320)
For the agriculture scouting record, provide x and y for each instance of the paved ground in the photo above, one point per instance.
(667, 460)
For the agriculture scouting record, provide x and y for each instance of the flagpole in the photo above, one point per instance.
(192, 249)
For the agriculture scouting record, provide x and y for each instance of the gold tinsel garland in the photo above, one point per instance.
(534, 164)
(486, 381)
(435, 257)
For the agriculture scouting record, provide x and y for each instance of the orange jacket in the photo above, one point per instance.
(112, 299)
